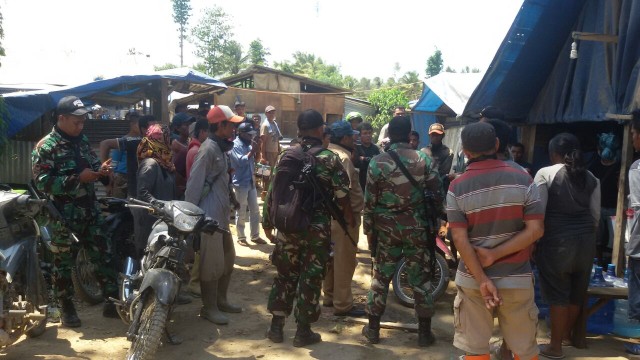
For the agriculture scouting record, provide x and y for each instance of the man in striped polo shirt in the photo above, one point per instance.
(495, 216)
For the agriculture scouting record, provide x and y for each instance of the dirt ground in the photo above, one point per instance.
(244, 337)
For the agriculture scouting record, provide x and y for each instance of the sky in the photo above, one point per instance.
(73, 41)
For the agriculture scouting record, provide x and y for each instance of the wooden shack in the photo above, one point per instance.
(260, 86)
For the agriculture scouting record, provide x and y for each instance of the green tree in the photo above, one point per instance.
(311, 66)
(181, 9)
(413, 88)
(350, 82)
(165, 66)
(364, 83)
(376, 83)
(233, 60)
(2, 53)
(449, 69)
(258, 53)
(434, 63)
(211, 35)
(384, 101)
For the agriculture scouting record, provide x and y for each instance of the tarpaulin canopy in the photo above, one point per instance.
(26, 107)
(445, 94)
(533, 79)
(451, 89)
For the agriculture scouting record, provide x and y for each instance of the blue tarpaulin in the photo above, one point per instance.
(26, 107)
(532, 79)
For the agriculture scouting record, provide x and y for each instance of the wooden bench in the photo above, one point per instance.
(603, 296)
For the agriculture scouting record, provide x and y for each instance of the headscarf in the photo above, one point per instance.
(155, 145)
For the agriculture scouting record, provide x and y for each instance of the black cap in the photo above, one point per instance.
(247, 128)
(310, 119)
(478, 137)
(399, 128)
(71, 105)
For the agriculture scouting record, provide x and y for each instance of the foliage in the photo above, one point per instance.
(384, 102)
(449, 69)
(166, 66)
(2, 53)
(98, 78)
(466, 70)
(434, 63)
(233, 61)
(181, 9)
(211, 36)
(413, 90)
(308, 65)
(258, 53)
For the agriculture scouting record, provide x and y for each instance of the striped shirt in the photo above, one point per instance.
(492, 199)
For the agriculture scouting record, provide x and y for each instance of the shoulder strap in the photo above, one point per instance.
(404, 170)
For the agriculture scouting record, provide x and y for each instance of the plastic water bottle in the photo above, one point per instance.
(622, 325)
(593, 268)
(624, 282)
(597, 280)
(610, 276)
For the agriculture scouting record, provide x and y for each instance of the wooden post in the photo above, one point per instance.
(529, 140)
(164, 101)
(618, 256)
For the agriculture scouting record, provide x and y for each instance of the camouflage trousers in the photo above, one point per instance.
(64, 249)
(301, 262)
(392, 246)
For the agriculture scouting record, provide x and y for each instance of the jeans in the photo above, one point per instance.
(247, 195)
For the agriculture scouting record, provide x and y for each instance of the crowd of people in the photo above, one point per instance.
(497, 208)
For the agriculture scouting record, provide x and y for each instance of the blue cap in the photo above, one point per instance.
(182, 118)
(342, 128)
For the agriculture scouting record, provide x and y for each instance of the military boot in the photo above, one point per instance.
(425, 336)
(372, 330)
(69, 315)
(304, 336)
(275, 331)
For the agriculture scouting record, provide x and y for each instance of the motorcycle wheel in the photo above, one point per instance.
(152, 322)
(404, 291)
(40, 326)
(85, 284)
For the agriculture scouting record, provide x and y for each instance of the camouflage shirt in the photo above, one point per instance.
(332, 177)
(390, 200)
(57, 161)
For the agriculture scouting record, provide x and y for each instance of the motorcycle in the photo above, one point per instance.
(148, 289)
(23, 291)
(445, 260)
(118, 225)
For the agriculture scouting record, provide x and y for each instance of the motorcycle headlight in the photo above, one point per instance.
(184, 222)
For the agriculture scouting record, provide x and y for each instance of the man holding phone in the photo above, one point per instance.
(242, 156)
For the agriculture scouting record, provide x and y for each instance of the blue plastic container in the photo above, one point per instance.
(621, 324)
(601, 322)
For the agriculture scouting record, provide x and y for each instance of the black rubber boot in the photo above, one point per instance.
(69, 316)
(425, 336)
(275, 332)
(304, 336)
(372, 331)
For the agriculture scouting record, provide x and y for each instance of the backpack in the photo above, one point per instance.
(292, 200)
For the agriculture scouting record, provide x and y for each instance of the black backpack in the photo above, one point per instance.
(292, 199)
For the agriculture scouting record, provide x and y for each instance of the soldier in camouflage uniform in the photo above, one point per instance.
(394, 212)
(301, 259)
(65, 167)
